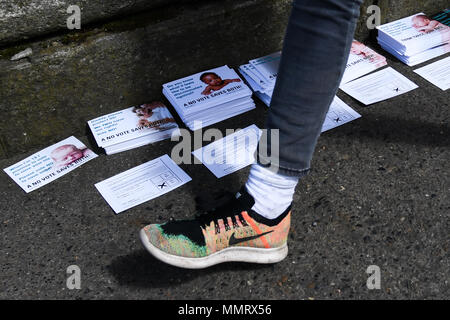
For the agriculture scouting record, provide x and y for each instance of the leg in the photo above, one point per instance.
(254, 226)
(315, 53)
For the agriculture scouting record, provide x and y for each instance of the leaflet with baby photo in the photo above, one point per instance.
(232, 153)
(209, 97)
(50, 164)
(362, 60)
(132, 123)
(142, 183)
(145, 123)
(379, 86)
(414, 34)
(206, 89)
(438, 73)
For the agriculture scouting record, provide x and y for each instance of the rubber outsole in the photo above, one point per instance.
(231, 254)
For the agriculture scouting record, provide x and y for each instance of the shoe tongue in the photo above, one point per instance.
(245, 199)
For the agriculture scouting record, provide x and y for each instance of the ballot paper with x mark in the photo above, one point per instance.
(379, 86)
(142, 183)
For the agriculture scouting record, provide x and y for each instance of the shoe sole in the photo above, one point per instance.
(230, 254)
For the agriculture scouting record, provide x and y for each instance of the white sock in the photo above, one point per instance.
(273, 193)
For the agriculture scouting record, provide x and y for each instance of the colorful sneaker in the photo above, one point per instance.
(233, 232)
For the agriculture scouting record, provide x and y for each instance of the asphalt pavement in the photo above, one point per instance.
(378, 195)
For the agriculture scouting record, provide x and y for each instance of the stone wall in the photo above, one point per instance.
(25, 19)
(395, 9)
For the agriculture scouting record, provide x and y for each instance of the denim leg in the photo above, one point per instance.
(315, 53)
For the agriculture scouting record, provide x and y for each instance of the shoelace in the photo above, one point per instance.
(232, 209)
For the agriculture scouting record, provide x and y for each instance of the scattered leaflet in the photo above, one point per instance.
(50, 164)
(361, 61)
(133, 127)
(232, 153)
(142, 183)
(339, 114)
(379, 86)
(438, 73)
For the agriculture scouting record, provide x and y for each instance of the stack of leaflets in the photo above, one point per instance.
(415, 39)
(133, 127)
(261, 73)
(209, 97)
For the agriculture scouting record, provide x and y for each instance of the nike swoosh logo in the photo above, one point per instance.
(233, 241)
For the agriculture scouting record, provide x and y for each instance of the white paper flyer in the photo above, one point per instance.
(339, 114)
(132, 123)
(230, 154)
(379, 86)
(50, 164)
(362, 60)
(438, 73)
(142, 183)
